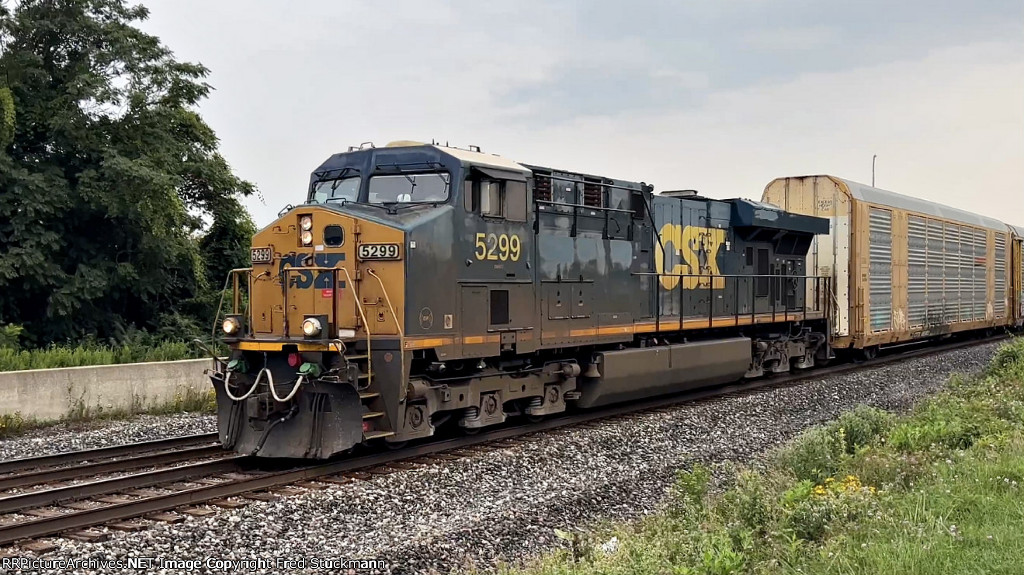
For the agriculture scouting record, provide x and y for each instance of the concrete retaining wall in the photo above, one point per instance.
(47, 394)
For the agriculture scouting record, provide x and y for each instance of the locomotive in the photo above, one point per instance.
(422, 286)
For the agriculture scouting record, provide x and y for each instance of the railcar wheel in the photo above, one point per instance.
(471, 430)
(396, 445)
(868, 353)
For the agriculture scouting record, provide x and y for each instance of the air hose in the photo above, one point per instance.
(291, 413)
(244, 396)
(295, 388)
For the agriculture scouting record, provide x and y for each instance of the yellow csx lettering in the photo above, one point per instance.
(689, 242)
(495, 247)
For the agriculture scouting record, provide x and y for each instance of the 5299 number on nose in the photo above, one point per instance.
(377, 252)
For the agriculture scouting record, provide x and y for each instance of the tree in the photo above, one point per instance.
(109, 176)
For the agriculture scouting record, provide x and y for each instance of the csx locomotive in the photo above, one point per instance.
(422, 286)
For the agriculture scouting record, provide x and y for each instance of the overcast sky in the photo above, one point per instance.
(717, 96)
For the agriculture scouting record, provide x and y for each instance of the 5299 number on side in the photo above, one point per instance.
(504, 247)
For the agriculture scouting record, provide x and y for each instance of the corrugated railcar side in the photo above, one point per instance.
(904, 269)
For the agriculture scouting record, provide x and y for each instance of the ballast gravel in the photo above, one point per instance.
(77, 436)
(503, 506)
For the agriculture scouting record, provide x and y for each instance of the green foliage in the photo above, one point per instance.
(10, 336)
(116, 210)
(7, 117)
(1008, 360)
(12, 424)
(689, 491)
(863, 426)
(815, 455)
(821, 452)
(94, 354)
(936, 491)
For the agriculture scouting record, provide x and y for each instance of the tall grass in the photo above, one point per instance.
(94, 354)
(936, 491)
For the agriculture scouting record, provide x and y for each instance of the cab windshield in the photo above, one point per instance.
(409, 188)
(337, 190)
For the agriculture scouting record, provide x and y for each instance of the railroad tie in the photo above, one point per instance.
(166, 517)
(88, 536)
(129, 526)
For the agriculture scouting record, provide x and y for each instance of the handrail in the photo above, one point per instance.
(220, 305)
(728, 275)
(388, 300)
(584, 206)
(822, 298)
(366, 325)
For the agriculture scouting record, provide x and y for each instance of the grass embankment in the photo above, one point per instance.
(940, 490)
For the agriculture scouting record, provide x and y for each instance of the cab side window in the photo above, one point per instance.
(492, 198)
(497, 199)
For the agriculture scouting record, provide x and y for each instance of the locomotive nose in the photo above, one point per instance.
(323, 293)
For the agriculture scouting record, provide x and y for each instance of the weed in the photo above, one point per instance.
(12, 424)
(689, 491)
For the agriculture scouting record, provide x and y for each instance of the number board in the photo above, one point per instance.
(378, 252)
(262, 255)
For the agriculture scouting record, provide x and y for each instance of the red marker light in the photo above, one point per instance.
(294, 359)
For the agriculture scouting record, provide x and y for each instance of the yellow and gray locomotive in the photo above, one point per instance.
(422, 286)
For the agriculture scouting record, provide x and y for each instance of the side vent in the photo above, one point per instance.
(542, 187)
(593, 195)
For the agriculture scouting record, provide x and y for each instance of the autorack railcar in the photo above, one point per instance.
(905, 269)
(423, 285)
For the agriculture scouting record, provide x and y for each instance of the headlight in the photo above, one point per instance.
(306, 222)
(311, 327)
(307, 238)
(231, 326)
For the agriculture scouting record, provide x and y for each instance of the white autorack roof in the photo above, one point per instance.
(892, 199)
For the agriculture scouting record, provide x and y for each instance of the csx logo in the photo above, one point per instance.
(698, 249)
(304, 279)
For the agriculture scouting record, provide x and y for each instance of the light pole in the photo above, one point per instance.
(873, 156)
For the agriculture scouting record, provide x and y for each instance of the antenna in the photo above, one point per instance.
(873, 169)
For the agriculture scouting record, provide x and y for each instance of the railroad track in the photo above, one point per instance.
(19, 473)
(72, 509)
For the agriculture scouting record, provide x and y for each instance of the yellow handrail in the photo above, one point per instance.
(234, 301)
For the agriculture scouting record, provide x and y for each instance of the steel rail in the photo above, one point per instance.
(39, 477)
(46, 497)
(120, 511)
(58, 459)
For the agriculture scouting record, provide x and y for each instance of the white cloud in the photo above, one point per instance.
(298, 82)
